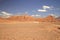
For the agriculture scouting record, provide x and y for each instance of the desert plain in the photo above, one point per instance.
(29, 31)
(28, 28)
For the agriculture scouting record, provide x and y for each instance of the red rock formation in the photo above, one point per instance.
(28, 18)
(39, 19)
(21, 18)
(58, 19)
(49, 19)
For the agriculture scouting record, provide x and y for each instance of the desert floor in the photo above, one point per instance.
(29, 31)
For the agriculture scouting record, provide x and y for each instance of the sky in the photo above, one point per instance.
(39, 8)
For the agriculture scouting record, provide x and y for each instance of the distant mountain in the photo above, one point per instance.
(58, 19)
(21, 18)
(29, 18)
(49, 19)
(39, 19)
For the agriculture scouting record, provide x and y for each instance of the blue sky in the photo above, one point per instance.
(32, 7)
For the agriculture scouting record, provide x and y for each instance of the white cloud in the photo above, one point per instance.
(46, 7)
(36, 15)
(5, 14)
(40, 10)
(54, 15)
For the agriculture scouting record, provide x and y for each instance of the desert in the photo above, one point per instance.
(29, 28)
(29, 19)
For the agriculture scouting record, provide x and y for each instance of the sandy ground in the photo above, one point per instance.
(29, 31)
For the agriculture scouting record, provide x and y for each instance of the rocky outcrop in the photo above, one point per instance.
(28, 18)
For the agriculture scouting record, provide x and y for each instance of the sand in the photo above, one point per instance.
(29, 31)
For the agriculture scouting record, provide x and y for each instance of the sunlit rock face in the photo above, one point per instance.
(58, 19)
(49, 19)
(26, 18)
(21, 18)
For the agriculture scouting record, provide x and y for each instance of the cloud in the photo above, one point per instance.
(46, 7)
(36, 15)
(54, 15)
(5, 14)
(41, 10)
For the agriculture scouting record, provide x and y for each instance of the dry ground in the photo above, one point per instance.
(29, 31)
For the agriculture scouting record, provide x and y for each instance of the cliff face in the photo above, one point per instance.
(58, 19)
(21, 18)
(47, 19)
(28, 18)
(50, 19)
